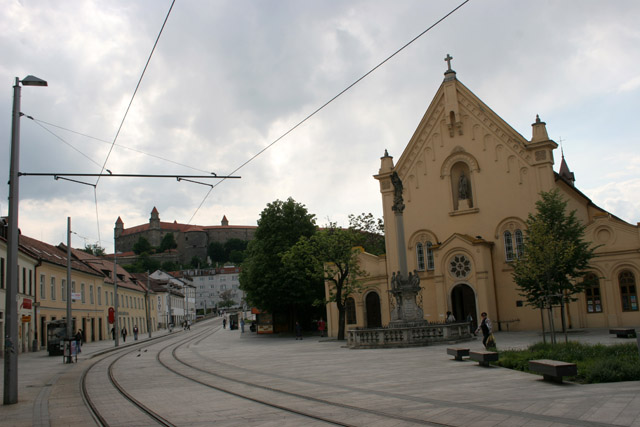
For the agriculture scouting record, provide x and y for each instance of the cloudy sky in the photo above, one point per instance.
(229, 77)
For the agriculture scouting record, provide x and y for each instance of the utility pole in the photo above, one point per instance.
(69, 312)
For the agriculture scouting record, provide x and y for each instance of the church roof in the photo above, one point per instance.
(565, 173)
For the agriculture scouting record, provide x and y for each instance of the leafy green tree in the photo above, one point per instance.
(168, 242)
(370, 232)
(94, 249)
(142, 246)
(169, 266)
(196, 263)
(143, 263)
(329, 256)
(556, 257)
(226, 299)
(232, 245)
(236, 257)
(268, 284)
(215, 251)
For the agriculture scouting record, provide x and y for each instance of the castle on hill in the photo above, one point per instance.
(192, 240)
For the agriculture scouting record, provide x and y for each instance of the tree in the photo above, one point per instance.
(142, 246)
(215, 250)
(556, 256)
(169, 266)
(226, 299)
(268, 284)
(168, 242)
(371, 232)
(330, 256)
(142, 264)
(94, 249)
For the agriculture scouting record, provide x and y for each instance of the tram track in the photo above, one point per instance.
(352, 410)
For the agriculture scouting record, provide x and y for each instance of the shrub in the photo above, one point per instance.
(596, 363)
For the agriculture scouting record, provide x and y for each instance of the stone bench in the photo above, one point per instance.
(553, 370)
(483, 357)
(458, 353)
(623, 332)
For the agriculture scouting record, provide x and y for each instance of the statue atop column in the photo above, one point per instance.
(398, 202)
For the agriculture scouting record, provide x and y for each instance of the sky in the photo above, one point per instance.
(228, 78)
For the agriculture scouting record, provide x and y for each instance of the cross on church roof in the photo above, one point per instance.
(448, 59)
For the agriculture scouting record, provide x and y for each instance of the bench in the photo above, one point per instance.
(553, 370)
(458, 353)
(483, 357)
(623, 332)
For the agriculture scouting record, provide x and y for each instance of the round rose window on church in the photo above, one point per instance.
(460, 266)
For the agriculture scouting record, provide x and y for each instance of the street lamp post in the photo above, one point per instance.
(11, 303)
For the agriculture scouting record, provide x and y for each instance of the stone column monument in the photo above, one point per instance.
(404, 286)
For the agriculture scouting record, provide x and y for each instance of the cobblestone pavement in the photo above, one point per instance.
(416, 383)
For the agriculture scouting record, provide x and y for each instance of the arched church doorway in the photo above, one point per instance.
(463, 303)
(372, 304)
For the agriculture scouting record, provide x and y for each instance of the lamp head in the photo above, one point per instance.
(33, 81)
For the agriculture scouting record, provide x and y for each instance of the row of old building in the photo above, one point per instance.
(147, 302)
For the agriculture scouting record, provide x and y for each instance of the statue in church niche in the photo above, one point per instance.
(398, 202)
(463, 187)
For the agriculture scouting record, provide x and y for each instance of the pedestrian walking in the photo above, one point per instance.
(487, 331)
(321, 326)
(242, 325)
(135, 332)
(224, 323)
(298, 331)
(124, 334)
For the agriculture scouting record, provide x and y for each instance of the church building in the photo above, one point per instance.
(469, 182)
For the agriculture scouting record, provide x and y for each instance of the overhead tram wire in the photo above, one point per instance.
(104, 165)
(136, 89)
(42, 122)
(317, 110)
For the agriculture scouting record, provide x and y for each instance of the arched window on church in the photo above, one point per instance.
(508, 246)
(350, 311)
(519, 244)
(420, 256)
(627, 282)
(592, 293)
(430, 262)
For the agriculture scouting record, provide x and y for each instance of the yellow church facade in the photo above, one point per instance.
(469, 182)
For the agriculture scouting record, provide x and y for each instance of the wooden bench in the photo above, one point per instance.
(553, 370)
(623, 332)
(483, 357)
(458, 353)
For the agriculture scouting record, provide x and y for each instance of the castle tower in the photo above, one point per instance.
(154, 221)
(119, 228)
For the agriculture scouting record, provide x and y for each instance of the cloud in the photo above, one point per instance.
(228, 78)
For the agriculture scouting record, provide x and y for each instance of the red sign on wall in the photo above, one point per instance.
(26, 303)
(112, 315)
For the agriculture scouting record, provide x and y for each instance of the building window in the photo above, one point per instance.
(99, 294)
(90, 294)
(64, 290)
(519, 244)
(420, 255)
(1, 273)
(627, 282)
(53, 288)
(508, 246)
(592, 294)
(24, 280)
(30, 282)
(82, 295)
(42, 288)
(459, 266)
(350, 309)
(430, 262)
